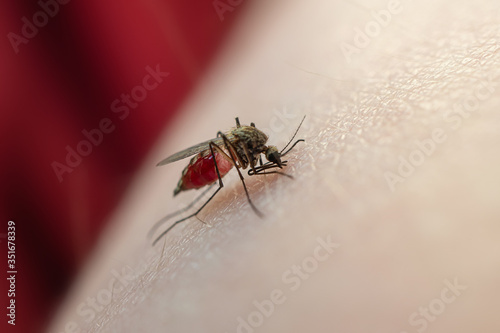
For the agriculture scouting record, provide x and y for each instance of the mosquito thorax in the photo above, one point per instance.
(254, 139)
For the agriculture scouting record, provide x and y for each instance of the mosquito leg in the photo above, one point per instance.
(269, 172)
(261, 170)
(169, 216)
(229, 146)
(250, 158)
(187, 217)
(221, 185)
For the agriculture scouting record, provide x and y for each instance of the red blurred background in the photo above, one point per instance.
(60, 79)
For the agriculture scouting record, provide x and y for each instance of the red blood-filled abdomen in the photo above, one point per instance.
(201, 171)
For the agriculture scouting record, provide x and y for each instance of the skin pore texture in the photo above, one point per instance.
(391, 223)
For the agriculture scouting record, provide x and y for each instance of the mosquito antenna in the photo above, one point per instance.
(313, 73)
(299, 140)
(294, 134)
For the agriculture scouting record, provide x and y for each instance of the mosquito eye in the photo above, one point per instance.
(275, 158)
(252, 124)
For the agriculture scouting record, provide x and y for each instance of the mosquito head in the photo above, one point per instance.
(273, 155)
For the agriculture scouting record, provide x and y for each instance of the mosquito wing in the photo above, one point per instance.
(190, 151)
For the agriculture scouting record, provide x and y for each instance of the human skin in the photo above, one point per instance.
(416, 253)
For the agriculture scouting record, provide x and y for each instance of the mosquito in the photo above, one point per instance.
(241, 147)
